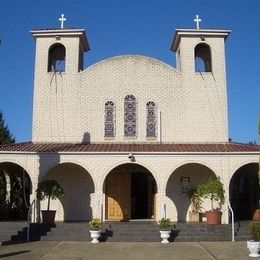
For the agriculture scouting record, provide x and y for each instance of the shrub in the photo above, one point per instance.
(95, 223)
(214, 191)
(164, 224)
(49, 189)
(254, 228)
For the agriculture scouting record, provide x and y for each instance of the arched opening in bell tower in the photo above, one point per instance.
(56, 58)
(203, 58)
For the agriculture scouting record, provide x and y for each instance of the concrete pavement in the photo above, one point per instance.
(81, 250)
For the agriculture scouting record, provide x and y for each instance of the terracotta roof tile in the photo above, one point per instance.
(120, 147)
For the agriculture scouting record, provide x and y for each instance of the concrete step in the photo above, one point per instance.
(121, 231)
(10, 228)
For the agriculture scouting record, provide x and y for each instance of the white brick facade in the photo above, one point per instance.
(69, 107)
(82, 176)
(193, 106)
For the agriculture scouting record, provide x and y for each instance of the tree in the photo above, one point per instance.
(5, 135)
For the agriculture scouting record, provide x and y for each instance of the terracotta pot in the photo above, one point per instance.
(213, 217)
(48, 216)
(256, 214)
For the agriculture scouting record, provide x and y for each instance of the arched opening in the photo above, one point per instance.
(130, 191)
(15, 191)
(56, 58)
(244, 190)
(203, 58)
(181, 181)
(78, 186)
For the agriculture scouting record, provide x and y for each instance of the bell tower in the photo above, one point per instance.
(59, 59)
(200, 59)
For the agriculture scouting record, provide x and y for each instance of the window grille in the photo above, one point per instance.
(109, 119)
(130, 116)
(150, 119)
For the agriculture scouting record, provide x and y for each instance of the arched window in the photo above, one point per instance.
(203, 58)
(130, 115)
(56, 58)
(109, 119)
(150, 119)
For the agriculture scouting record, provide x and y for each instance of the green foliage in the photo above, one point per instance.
(3, 192)
(214, 191)
(49, 189)
(95, 223)
(5, 136)
(254, 228)
(165, 224)
(196, 200)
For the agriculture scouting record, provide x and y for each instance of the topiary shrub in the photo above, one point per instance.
(49, 189)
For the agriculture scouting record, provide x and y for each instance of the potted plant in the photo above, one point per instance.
(214, 191)
(165, 229)
(49, 189)
(254, 244)
(95, 229)
(196, 201)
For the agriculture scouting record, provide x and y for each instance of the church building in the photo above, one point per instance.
(129, 136)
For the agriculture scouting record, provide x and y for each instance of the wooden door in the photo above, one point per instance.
(118, 199)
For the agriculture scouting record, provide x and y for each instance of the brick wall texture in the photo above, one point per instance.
(70, 106)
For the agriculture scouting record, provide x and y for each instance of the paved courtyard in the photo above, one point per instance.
(80, 250)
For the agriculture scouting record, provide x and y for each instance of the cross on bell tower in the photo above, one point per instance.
(62, 20)
(197, 20)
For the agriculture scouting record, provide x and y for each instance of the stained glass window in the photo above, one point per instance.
(109, 119)
(150, 119)
(130, 115)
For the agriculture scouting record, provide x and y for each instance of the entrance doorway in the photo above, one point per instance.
(130, 193)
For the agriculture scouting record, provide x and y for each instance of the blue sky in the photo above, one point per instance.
(143, 27)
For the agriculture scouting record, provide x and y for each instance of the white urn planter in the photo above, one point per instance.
(254, 248)
(95, 235)
(165, 235)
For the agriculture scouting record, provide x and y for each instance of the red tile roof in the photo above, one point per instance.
(138, 147)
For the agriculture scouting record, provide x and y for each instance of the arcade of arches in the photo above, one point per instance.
(130, 191)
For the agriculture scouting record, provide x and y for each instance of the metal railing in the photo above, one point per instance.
(29, 215)
(232, 221)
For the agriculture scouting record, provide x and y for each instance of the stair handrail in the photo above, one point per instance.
(232, 222)
(29, 215)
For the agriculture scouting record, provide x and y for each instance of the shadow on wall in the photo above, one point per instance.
(243, 191)
(187, 176)
(15, 191)
(86, 138)
(78, 187)
(45, 159)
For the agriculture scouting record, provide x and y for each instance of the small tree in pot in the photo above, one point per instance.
(49, 189)
(214, 191)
